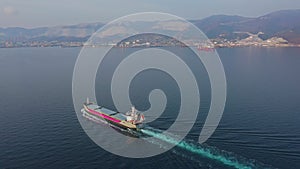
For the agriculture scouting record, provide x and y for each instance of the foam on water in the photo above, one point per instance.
(226, 158)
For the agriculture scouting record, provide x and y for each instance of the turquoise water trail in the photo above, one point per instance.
(226, 158)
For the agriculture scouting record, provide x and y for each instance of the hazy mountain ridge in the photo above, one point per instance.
(283, 24)
(77, 32)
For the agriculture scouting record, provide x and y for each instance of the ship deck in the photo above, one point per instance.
(106, 111)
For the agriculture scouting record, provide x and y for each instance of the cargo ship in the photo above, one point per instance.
(131, 120)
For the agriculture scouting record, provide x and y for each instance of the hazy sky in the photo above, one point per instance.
(36, 13)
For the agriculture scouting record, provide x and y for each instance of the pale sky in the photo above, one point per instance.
(38, 13)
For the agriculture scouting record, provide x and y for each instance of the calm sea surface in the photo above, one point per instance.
(39, 127)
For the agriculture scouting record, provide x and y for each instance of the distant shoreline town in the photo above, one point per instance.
(276, 29)
(251, 40)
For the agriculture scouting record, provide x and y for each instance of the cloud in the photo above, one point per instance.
(9, 11)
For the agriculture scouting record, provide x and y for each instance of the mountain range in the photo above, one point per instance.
(284, 24)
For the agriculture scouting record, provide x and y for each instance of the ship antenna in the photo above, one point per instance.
(132, 110)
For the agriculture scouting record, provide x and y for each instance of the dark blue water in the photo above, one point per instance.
(39, 127)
